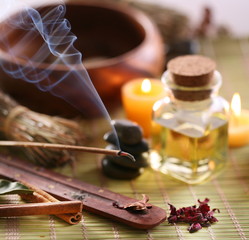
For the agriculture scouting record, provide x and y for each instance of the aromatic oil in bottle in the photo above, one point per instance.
(190, 131)
(188, 152)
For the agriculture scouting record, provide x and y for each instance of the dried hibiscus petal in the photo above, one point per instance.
(197, 217)
(194, 227)
(138, 206)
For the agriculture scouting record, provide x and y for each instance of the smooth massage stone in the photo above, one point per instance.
(128, 132)
(183, 47)
(179, 48)
(114, 171)
(141, 161)
(111, 137)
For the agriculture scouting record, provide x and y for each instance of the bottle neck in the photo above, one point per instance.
(192, 105)
(192, 95)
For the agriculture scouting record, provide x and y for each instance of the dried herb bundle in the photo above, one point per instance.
(21, 124)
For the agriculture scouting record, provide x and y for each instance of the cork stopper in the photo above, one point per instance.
(192, 77)
(191, 70)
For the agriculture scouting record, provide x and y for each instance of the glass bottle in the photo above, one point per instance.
(190, 130)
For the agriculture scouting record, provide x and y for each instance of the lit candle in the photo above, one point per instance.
(238, 124)
(138, 97)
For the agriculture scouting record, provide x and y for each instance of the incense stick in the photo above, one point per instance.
(66, 147)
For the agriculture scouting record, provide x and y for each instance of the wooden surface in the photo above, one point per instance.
(229, 192)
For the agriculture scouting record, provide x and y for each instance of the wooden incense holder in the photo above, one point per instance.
(95, 199)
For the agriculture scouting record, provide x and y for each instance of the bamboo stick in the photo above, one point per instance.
(66, 147)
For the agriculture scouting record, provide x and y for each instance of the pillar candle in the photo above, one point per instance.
(138, 97)
(238, 124)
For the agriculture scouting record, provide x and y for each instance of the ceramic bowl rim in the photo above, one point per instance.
(138, 16)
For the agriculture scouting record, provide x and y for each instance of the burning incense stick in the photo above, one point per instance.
(66, 147)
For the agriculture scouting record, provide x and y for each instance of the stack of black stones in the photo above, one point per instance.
(130, 136)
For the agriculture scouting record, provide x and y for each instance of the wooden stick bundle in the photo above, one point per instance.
(43, 203)
(40, 196)
(19, 123)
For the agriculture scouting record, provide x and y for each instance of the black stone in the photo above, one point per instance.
(111, 137)
(135, 149)
(111, 147)
(115, 171)
(181, 47)
(141, 161)
(128, 132)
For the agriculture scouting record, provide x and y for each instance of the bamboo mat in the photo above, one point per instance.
(229, 192)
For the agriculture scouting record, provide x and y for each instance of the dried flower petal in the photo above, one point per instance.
(141, 205)
(194, 227)
(197, 217)
(206, 201)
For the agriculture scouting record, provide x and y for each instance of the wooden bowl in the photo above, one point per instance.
(118, 43)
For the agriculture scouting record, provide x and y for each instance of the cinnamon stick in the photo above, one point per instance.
(40, 196)
(55, 208)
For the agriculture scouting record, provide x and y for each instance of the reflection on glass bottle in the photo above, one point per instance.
(189, 136)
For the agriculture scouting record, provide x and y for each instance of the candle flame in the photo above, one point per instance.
(236, 104)
(146, 86)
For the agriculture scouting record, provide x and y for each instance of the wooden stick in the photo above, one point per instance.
(66, 147)
(55, 208)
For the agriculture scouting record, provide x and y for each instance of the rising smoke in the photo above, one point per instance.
(52, 30)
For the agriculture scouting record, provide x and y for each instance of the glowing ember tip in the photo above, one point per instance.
(125, 154)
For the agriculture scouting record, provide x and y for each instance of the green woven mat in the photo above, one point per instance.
(229, 192)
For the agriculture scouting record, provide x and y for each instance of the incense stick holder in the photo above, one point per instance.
(95, 199)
